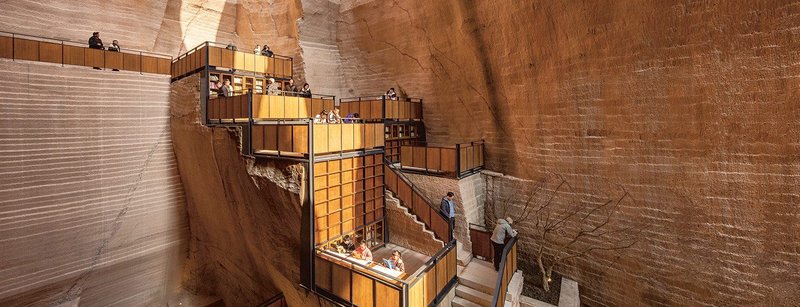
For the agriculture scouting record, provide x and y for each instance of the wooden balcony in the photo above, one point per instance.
(31, 48)
(457, 161)
(264, 107)
(216, 56)
(381, 108)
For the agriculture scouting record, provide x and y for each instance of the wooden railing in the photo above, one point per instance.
(459, 161)
(508, 266)
(33, 48)
(417, 203)
(235, 108)
(481, 245)
(349, 283)
(293, 139)
(215, 55)
(382, 108)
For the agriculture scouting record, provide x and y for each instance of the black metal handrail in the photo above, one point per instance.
(500, 273)
(415, 189)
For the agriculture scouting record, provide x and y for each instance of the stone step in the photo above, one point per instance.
(479, 275)
(460, 302)
(474, 296)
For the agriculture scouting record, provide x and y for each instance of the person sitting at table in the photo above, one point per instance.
(396, 262)
(334, 117)
(347, 244)
(362, 252)
(321, 118)
(227, 89)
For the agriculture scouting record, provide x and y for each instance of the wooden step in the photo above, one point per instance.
(474, 296)
(460, 302)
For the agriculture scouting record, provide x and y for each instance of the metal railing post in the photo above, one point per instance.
(458, 161)
(250, 121)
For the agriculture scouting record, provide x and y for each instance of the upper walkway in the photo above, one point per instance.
(215, 56)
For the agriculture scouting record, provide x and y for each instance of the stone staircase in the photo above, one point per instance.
(476, 283)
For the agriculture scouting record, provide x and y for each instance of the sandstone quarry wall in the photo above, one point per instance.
(244, 215)
(406, 231)
(92, 209)
(690, 106)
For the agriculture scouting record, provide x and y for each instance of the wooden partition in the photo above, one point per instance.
(404, 109)
(509, 266)
(411, 198)
(402, 133)
(357, 286)
(223, 109)
(328, 138)
(481, 245)
(424, 288)
(59, 53)
(222, 58)
(455, 162)
(368, 109)
(348, 195)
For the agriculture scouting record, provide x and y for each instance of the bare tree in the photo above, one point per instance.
(565, 230)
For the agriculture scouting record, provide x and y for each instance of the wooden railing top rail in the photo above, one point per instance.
(431, 262)
(498, 286)
(223, 46)
(79, 44)
(421, 144)
(379, 97)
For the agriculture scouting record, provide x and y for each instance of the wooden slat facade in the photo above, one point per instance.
(225, 59)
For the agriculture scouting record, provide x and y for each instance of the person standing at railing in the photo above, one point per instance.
(502, 232)
(334, 117)
(306, 91)
(96, 43)
(227, 89)
(448, 208)
(257, 50)
(272, 87)
(266, 52)
(391, 95)
(114, 46)
(291, 89)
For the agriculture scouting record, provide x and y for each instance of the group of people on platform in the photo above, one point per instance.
(257, 50)
(96, 43)
(225, 89)
(333, 117)
(362, 252)
(500, 235)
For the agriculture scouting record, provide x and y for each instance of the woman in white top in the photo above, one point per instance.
(257, 50)
(321, 118)
(334, 117)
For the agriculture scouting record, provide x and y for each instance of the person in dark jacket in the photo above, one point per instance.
(306, 92)
(266, 51)
(502, 232)
(95, 42)
(115, 46)
(448, 208)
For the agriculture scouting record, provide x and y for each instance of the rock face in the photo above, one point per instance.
(244, 216)
(406, 231)
(92, 208)
(689, 106)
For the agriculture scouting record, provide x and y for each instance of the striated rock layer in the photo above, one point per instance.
(689, 106)
(92, 208)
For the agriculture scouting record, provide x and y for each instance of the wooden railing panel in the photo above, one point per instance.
(448, 158)
(386, 296)
(322, 273)
(335, 137)
(25, 49)
(114, 60)
(341, 282)
(75, 56)
(258, 137)
(434, 158)
(480, 243)
(320, 138)
(226, 58)
(363, 290)
(93, 57)
(418, 159)
(149, 65)
(50, 52)
(131, 62)
(6, 47)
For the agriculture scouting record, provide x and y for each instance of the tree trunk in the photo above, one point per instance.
(545, 283)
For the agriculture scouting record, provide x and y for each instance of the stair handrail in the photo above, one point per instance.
(498, 286)
(424, 197)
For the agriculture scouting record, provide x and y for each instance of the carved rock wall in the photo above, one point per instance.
(689, 106)
(92, 209)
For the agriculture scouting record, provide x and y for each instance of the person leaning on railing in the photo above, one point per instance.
(306, 91)
(272, 88)
(502, 232)
(334, 117)
(291, 89)
(96, 43)
(227, 89)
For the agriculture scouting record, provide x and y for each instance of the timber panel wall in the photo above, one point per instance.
(222, 58)
(328, 138)
(356, 285)
(348, 194)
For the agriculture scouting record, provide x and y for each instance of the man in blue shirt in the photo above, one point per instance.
(448, 208)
